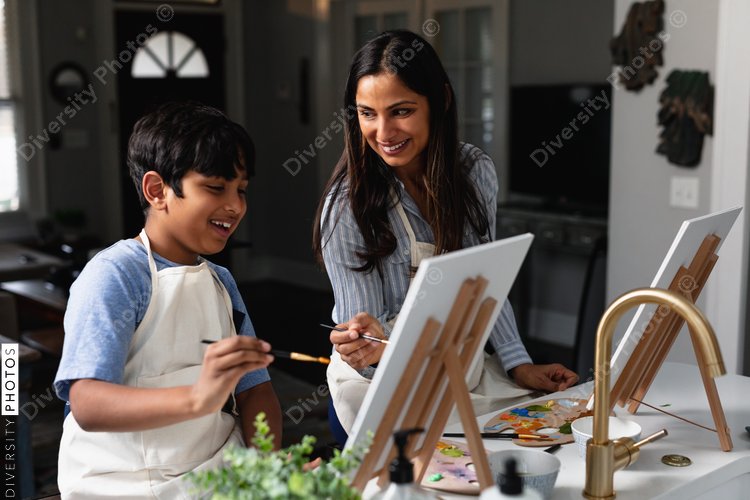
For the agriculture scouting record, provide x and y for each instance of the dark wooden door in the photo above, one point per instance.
(185, 42)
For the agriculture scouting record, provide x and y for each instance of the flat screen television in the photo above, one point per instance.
(560, 143)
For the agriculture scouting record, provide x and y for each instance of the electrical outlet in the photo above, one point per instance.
(683, 192)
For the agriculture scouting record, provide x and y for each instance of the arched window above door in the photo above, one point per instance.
(170, 51)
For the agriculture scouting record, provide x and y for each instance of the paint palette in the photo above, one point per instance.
(452, 463)
(551, 419)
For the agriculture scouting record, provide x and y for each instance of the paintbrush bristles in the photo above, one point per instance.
(304, 357)
(533, 436)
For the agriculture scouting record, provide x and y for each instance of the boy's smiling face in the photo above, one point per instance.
(201, 221)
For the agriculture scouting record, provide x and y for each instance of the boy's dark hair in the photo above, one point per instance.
(177, 137)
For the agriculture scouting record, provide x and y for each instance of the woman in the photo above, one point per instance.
(405, 189)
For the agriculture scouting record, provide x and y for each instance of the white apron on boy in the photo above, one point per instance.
(491, 388)
(188, 303)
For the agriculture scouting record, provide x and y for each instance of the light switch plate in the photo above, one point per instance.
(683, 192)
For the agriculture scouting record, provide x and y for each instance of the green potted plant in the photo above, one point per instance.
(262, 474)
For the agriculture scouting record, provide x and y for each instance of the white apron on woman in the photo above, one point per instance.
(490, 387)
(188, 303)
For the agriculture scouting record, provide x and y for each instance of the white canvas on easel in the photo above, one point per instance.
(431, 296)
(684, 247)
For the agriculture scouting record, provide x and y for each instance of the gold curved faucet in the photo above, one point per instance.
(604, 457)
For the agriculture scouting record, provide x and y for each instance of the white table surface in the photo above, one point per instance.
(679, 385)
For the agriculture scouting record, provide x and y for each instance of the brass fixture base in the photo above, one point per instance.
(611, 497)
(676, 460)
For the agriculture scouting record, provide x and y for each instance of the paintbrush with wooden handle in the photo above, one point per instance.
(498, 435)
(285, 354)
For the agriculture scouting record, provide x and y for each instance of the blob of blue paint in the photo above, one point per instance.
(495, 427)
(523, 412)
(458, 473)
(566, 403)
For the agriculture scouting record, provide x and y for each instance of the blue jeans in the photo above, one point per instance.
(338, 431)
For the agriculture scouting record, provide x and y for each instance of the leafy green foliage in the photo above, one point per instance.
(262, 474)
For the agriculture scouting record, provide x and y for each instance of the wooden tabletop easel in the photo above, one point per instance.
(659, 336)
(441, 384)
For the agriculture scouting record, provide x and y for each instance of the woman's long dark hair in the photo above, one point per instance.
(364, 179)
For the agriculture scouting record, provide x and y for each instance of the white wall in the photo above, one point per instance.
(642, 224)
(727, 292)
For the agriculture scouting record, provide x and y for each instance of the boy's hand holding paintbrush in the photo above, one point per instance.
(224, 363)
(352, 344)
(102, 406)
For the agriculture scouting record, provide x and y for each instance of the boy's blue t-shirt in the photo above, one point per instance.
(107, 303)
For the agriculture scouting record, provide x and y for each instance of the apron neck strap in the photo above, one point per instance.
(402, 215)
(201, 260)
(151, 261)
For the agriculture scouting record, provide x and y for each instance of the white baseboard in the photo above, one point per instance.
(282, 270)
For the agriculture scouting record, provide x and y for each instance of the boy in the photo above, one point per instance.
(148, 401)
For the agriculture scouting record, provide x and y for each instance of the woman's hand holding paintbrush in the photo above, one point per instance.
(360, 341)
(361, 335)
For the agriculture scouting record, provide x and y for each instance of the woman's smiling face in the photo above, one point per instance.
(394, 120)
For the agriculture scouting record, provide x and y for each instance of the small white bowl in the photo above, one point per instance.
(537, 468)
(583, 430)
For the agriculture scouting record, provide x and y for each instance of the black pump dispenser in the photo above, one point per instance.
(401, 469)
(510, 483)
